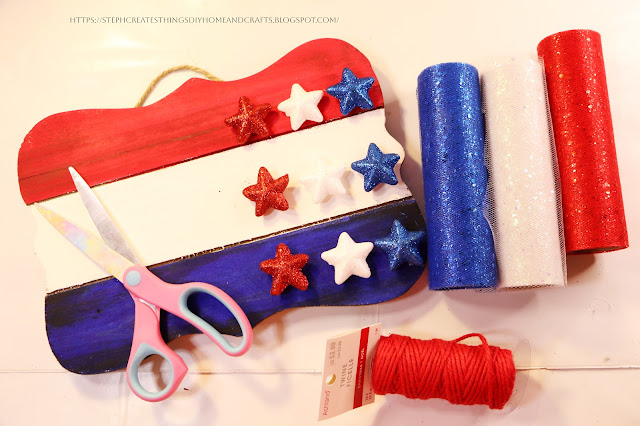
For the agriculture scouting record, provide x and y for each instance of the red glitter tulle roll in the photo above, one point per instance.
(594, 218)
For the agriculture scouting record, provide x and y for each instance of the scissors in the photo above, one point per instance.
(150, 294)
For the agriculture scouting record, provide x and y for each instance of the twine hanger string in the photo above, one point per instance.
(171, 70)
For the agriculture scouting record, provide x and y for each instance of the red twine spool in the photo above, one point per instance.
(461, 374)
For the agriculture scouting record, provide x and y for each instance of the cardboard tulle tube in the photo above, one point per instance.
(459, 240)
(592, 206)
(523, 203)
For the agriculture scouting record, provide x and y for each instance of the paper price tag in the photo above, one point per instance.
(346, 376)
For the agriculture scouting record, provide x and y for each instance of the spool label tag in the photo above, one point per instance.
(346, 377)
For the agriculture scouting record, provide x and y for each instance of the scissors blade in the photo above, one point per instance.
(107, 229)
(108, 259)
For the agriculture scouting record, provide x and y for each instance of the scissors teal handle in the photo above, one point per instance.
(144, 286)
(149, 293)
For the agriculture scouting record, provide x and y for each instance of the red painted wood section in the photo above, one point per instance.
(111, 144)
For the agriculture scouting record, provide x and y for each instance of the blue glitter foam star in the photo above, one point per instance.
(352, 92)
(402, 246)
(376, 167)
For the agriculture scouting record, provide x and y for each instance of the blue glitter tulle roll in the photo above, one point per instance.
(459, 240)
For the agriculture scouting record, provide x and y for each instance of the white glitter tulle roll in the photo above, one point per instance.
(523, 202)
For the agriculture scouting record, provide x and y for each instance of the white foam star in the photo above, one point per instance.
(327, 181)
(302, 106)
(349, 258)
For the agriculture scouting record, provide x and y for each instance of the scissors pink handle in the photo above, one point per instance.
(142, 284)
(148, 341)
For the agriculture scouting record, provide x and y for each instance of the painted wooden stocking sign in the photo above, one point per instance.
(212, 182)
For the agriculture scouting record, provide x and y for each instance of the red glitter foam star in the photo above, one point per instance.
(286, 270)
(267, 192)
(249, 120)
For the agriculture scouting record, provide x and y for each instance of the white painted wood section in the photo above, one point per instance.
(198, 205)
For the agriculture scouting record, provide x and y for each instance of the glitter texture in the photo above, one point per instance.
(286, 270)
(352, 92)
(523, 199)
(377, 167)
(267, 192)
(250, 120)
(459, 241)
(579, 104)
(402, 246)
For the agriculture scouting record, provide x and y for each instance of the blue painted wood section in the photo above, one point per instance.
(90, 327)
